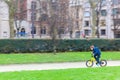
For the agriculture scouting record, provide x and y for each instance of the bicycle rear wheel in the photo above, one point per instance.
(89, 63)
(103, 63)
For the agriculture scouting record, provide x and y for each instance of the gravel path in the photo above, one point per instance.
(49, 66)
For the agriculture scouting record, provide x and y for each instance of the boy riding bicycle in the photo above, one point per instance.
(96, 53)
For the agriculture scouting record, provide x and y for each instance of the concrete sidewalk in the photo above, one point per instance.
(49, 66)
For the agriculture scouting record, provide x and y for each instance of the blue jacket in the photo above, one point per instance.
(96, 51)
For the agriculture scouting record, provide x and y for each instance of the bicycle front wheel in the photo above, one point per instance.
(103, 63)
(89, 63)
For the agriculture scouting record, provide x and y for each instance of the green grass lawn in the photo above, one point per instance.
(49, 58)
(106, 73)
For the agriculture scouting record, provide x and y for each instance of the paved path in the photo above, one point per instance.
(49, 66)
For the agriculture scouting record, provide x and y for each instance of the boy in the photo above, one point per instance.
(96, 53)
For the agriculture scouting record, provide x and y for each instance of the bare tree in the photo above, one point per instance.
(12, 10)
(93, 7)
(16, 16)
(58, 20)
(96, 10)
(63, 12)
(53, 22)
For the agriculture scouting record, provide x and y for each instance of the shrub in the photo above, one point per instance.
(41, 46)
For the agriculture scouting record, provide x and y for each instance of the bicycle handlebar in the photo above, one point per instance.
(92, 54)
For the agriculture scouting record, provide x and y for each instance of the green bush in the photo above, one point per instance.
(38, 45)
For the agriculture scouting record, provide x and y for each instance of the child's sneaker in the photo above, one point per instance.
(98, 64)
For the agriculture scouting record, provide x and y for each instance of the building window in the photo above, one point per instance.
(44, 17)
(77, 13)
(103, 32)
(44, 5)
(87, 5)
(103, 2)
(53, 0)
(33, 5)
(115, 11)
(86, 14)
(61, 30)
(24, 16)
(102, 23)
(115, 2)
(75, 2)
(33, 13)
(77, 24)
(116, 22)
(33, 31)
(77, 34)
(87, 32)
(54, 4)
(43, 30)
(86, 23)
(5, 34)
(103, 13)
(33, 16)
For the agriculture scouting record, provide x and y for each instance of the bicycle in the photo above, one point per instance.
(90, 63)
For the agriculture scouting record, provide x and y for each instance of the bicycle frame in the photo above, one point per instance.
(93, 59)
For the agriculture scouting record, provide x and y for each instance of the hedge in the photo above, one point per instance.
(41, 46)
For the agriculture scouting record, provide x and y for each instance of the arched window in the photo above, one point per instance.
(43, 30)
(33, 31)
(22, 32)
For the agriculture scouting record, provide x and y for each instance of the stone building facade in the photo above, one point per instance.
(4, 20)
(74, 19)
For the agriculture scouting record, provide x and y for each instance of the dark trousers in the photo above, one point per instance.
(97, 58)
